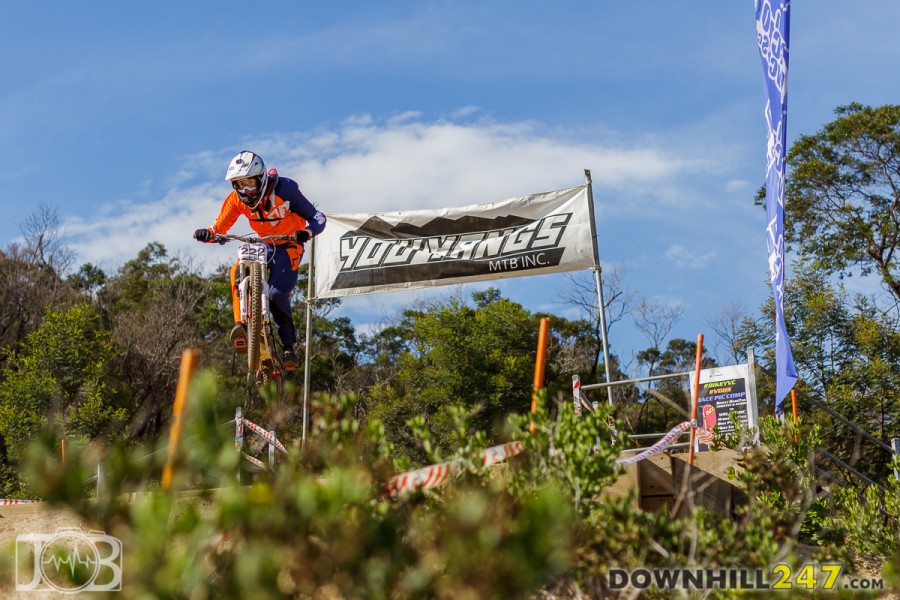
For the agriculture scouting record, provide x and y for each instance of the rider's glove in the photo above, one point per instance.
(203, 235)
(301, 237)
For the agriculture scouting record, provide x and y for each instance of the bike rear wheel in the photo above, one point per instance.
(270, 375)
(275, 365)
(255, 318)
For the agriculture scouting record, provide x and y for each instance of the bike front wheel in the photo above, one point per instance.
(255, 318)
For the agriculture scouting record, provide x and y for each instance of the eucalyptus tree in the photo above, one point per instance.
(842, 199)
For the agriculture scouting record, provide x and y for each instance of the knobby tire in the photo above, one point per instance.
(255, 324)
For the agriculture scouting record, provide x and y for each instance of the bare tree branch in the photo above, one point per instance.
(655, 320)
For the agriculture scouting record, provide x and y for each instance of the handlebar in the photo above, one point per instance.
(223, 238)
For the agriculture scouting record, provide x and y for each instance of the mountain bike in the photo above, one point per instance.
(263, 359)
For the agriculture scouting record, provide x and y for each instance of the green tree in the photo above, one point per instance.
(478, 356)
(155, 307)
(847, 354)
(843, 193)
(670, 404)
(66, 377)
(31, 279)
(335, 348)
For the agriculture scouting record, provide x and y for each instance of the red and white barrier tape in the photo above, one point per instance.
(265, 435)
(664, 442)
(255, 461)
(435, 475)
(497, 454)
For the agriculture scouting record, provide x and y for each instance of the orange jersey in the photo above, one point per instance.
(275, 219)
(283, 212)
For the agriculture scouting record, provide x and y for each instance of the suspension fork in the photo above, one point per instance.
(244, 292)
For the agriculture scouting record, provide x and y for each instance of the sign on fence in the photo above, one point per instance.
(724, 390)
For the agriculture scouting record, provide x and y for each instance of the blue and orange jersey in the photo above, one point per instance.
(283, 211)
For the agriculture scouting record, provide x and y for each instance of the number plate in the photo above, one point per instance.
(252, 253)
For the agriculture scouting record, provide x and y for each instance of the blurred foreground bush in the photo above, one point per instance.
(322, 526)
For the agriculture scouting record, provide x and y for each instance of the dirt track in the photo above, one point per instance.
(28, 518)
(42, 519)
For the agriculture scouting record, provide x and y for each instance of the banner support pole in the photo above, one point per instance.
(307, 359)
(599, 284)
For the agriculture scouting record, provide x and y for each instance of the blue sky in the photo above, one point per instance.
(123, 116)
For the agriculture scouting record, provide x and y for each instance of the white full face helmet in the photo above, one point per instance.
(248, 176)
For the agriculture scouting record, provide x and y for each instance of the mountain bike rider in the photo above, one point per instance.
(274, 205)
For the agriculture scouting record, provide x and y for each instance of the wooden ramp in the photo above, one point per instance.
(667, 482)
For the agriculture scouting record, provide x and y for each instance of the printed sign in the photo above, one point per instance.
(724, 390)
(542, 233)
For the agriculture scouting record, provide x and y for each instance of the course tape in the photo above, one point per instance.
(265, 435)
(664, 442)
(435, 475)
(256, 461)
(497, 454)
(426, 478)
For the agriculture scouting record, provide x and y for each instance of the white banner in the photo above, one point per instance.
(381, 252)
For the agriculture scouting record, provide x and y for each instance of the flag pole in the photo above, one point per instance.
(695, 395)
(597, 281)
(307, 359)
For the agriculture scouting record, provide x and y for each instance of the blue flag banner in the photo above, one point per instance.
(773, 35)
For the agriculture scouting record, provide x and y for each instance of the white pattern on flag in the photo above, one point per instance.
(773, 36)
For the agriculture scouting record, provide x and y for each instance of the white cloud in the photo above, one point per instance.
(463, 112)
(118, 231)
(736, 185)
(687, 258)
(399, 164)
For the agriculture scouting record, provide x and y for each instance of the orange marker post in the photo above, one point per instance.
(794, 408)
(695, 394)
(188, 361)
(62, 450)
(543, 331)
